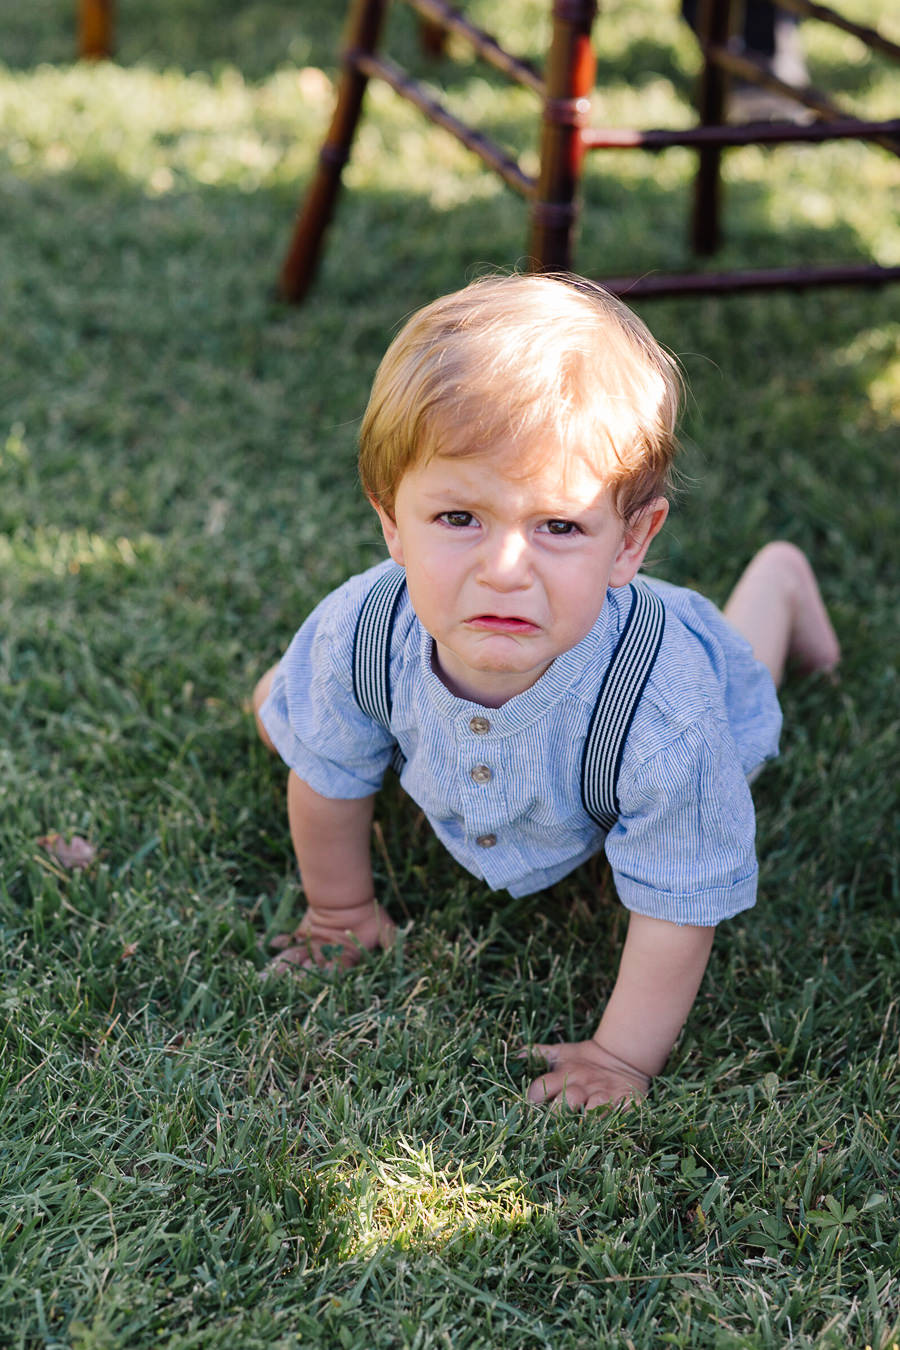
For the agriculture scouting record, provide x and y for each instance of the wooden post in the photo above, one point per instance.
(433, 37)
(714, 24)
(361, 38)
(569, 81)
(95, 29)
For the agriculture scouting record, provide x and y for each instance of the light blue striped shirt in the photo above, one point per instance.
(683, 846)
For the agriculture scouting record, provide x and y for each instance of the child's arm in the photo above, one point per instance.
(660, 973)
(331, 841)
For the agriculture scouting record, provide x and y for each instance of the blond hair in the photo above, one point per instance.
(536, 361)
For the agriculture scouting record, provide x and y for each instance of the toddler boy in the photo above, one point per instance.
(539, 700)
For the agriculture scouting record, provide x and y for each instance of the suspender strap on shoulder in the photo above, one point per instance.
(621, 690)
(372, 646)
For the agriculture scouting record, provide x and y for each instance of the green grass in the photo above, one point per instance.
(192, 1158)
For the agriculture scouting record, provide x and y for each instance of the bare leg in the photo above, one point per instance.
(260, 694)
(777, 607)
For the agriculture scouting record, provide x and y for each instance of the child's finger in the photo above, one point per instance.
(541, 1090)
(607, 1100)
(292, 961)
(554, 1084)
(548, 1053)
(558, 1091)
(280, 941)
(312, 954)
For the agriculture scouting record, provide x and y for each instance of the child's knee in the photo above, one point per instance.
(784, 557)
(260, 694)
(779, 569)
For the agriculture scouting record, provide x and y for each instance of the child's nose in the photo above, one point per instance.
(505, 562)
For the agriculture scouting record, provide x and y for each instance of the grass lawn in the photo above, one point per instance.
(190, 1157)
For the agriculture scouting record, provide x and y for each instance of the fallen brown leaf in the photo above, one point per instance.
(74, 854)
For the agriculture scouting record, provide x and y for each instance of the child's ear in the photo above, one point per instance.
(640, 531)
(390, 532)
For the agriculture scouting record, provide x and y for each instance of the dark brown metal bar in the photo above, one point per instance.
(754, 72)
(714, 18)
(363, 30)
(416, 93)
(751, 133)
(566, 137)
(445, 18)
(721, 283)
(569, 81)
(433, 38)
(870, 36)
(96, 21)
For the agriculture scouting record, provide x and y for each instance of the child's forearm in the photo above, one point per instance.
(659, 976)
(662, 966)
(343, 918)
(331, 841)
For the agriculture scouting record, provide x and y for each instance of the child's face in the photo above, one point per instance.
(508, 558)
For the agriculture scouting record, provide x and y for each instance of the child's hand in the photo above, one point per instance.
(583, 1074)
(326, 939)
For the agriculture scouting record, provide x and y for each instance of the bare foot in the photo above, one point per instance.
(777, 606)
(317, 944)
(813, 643)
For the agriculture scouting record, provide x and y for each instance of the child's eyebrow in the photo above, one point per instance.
(449, 499)
(450, 492)
(470, 497)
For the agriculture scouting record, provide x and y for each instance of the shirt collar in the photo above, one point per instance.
(591, 654)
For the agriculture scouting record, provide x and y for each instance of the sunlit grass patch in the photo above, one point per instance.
(408, 1200)
(876, 352)
(194, 1157)
(56, 553)
(159, 129)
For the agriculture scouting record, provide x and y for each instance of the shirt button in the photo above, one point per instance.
(480, 773)
(486, 840)
(480, 725)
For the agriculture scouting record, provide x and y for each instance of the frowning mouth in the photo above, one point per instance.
(497, 623)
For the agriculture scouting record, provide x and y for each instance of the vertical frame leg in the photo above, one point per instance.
(361, 37)
(569, 80)
(714, 28)
(95, 29)
(433, 37)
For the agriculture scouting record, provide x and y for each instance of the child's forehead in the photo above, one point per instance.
(518, 460)
(540, 470)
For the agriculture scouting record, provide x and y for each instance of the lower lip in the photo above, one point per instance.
(491, 623)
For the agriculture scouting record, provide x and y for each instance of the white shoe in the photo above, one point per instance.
(753, 103)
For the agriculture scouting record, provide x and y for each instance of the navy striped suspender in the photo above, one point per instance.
(372, 650)
(621, 690)
(624, 681)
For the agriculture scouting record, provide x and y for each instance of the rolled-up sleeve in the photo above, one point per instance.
(311, 714)
(683, 848)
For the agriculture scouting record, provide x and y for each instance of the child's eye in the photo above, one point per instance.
(562, 527)
(458, 519)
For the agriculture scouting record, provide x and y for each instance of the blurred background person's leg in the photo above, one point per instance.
(770, 36)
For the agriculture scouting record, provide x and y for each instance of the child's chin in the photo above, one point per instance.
(502, 662)
(521, 672)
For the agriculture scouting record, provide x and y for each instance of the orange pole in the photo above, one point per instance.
(361, 36)
(95, 29)
(569, 80)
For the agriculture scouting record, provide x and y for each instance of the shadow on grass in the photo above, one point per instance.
(628, 227)
(258, 37)
(255, 36)
(136, 272)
